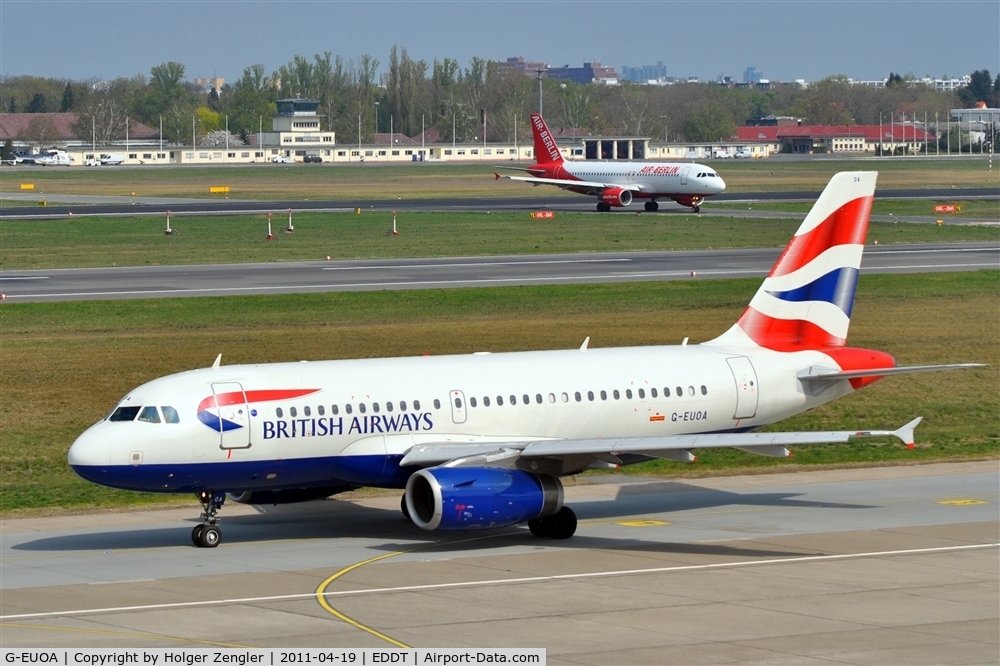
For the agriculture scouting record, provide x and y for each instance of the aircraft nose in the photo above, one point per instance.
(90, 449)
(720, 185)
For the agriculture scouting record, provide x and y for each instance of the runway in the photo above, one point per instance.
(864, 566)
(449, 272)
(21, 206)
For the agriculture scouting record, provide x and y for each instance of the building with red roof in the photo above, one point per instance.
(47, 129)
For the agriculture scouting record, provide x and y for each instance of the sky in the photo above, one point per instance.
(787, 40)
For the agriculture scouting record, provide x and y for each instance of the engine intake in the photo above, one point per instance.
(616, 197)
(462, 498)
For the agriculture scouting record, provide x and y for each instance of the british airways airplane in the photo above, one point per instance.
(480, 441)
(616, 183)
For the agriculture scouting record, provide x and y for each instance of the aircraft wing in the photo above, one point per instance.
(592, 187)
(674, 447)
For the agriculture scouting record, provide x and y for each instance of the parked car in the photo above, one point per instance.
(744, 154)
(282, 159)
(312, 159)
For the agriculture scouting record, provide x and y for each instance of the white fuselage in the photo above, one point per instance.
(653, 178)
(355, 419)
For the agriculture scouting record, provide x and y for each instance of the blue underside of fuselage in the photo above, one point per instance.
(239, 476)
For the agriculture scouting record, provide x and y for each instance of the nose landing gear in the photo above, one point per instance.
(208, 535)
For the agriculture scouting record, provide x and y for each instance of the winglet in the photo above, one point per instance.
(496, 176)
(218, 362)
(906, 432)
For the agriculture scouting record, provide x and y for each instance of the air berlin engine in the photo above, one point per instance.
(616, 197)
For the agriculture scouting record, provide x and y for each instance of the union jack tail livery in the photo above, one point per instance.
(806, 300)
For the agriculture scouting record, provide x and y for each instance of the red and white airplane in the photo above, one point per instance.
(616, 183)
(481, 440)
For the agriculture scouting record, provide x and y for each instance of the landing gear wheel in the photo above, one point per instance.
(207, 535)
(539, 527)
(562, 525)
(696, 209)
(603, 207)
(651, 206)
(403, 507)
(210, 537)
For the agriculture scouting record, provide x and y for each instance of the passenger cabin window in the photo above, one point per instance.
(526, 399)
(642, 393)
(375, 407)
(680, 392)
(349, 408)
(402, 405)
(437, 404)
(278, 412)
(690, 390)
(293, 412)
(486, 401)
(538, 398)
(577, 396)
(416, 404)
(666, 391)
(704, 390)
(361, 407)
(170, 414)
(124, 414)
(321, 410)
(458, 403)
(590, 396)
(652, 392)
(628, 393)
(472, 401)
(616, 394)
(604, 395)
(149, 415)
(334, 410)
(388, 406)
(307, 411)
(499, 401)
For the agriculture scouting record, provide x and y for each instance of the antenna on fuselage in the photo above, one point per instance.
(583, 347)
(218, 361)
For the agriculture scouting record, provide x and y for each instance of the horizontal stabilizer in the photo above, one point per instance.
(824, 374)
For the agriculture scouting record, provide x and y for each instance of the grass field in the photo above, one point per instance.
(89, 242)
(64, 365)
(424, 180)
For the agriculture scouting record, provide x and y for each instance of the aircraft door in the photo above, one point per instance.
(746, 387)
(684, 175)
(233, 420)
(457, 406)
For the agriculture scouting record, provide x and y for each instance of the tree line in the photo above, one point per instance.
(460, 103)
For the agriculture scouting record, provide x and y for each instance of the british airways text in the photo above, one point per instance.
(337, 425)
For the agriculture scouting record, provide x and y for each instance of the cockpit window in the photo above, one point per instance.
(170, 415)
(149, 415)
(124, 414)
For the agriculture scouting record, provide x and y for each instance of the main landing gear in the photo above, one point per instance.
(560, 525)
(208, 535)
(651, 206)
(603, 207)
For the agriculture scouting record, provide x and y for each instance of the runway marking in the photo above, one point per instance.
(130, 634)
(962, 502)
(321, 592)
(26, 277)
(502, 581)
(462, 282)
(478, 264)
(641, 523)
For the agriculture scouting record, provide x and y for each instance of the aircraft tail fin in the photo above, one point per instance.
(806, 300)
(546, 150)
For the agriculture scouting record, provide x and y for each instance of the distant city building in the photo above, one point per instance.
(645, 74)
(210, 84)
(751, 75)
(589, 73)
(526, 67)
(940, 85)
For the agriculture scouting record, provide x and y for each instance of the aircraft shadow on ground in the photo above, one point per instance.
(332, 518)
